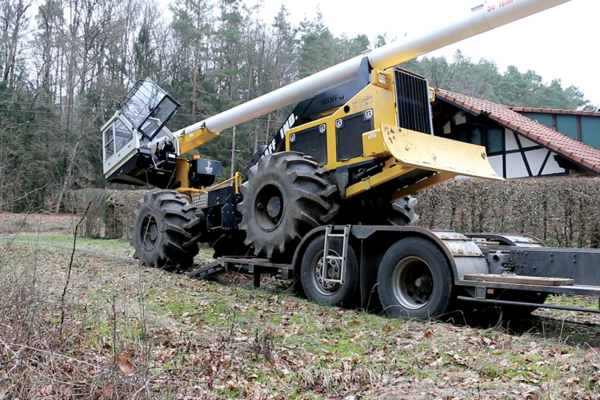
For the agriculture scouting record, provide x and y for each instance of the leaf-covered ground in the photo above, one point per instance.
(133, 332)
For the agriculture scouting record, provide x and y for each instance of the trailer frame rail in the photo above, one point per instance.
(534, 305)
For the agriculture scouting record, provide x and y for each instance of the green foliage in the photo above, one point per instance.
(319, 49)
(144, 53)
(317, 45)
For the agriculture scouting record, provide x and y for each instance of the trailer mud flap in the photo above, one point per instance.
(428, 152)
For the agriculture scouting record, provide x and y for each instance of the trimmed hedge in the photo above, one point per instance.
(560, 211)
(111, 211)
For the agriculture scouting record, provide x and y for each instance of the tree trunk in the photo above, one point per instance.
(67, 178)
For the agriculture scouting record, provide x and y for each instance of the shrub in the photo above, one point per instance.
(111, 211)
(560, 211)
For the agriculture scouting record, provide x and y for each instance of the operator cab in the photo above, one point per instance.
(138, 148)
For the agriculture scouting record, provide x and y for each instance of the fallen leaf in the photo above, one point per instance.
(125, 364)
(46, 391)
(166, 355)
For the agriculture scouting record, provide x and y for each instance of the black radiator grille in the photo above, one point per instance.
(312, 141)
(412, 94)
(349, 133)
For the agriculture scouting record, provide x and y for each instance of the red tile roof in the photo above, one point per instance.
(555, 111)
(574, 150)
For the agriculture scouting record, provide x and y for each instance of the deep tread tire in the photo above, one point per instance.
(418, 254)
(306, 201)
(174, 228)
(402, 212)
(344, 295)
(377, 210)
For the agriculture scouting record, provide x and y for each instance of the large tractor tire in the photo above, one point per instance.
(414, 280)
(377, 210)
(287, 194)
(402, 212)
(166, 230)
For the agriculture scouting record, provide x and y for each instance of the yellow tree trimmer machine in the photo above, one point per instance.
(327, 201)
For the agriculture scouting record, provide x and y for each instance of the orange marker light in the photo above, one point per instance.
(197, 156)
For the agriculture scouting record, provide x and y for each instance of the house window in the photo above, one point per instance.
(492, 139)
(495, 141)
(477, 137)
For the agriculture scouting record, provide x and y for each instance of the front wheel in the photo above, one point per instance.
(415, 280)
(166, 230)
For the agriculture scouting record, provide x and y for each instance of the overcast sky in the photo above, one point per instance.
(558, 43)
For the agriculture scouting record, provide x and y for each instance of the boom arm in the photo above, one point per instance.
(128, 154)
(483, 17)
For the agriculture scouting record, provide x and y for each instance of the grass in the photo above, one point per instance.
(65, 242)
(137, 332)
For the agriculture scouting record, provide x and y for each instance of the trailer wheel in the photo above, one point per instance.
(166, 230)
(314, 270)
(415, 280)
(287, 194)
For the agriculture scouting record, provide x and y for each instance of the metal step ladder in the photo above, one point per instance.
(330, 233)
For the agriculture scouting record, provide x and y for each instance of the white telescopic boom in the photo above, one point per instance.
(484, 17)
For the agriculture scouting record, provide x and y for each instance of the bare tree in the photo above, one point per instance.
(14, 23)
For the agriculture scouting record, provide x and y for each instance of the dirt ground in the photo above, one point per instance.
(93, 323)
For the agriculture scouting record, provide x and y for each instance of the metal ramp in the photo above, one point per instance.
(208, 272)
(253, 266)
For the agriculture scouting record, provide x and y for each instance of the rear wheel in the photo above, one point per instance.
(415, 280)
(287, 194)
(317, 273)
(401, 212)
(166, 230)
(377, 210)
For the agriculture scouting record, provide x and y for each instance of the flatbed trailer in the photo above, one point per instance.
(420, 273)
